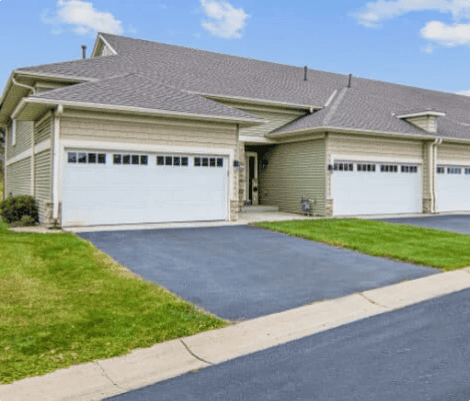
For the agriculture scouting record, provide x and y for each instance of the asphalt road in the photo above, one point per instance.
(455, 222)
(244, 272)
(418, 353)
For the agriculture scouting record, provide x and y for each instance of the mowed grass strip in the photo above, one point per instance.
(63, 302)
(437, 248)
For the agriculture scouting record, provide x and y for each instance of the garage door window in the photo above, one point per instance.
(441, 170)
(366, 168)
(176, 161)
(467, 171)
(409, 169)
(84, 158)
(454, 170)
(343, 167)
(130, 159)
(389, 168)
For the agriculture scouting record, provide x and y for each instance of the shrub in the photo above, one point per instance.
(21, 209)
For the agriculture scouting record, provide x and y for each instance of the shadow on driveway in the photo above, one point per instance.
(245, 272)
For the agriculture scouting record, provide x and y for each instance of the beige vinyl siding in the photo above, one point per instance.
(43, 130)
(454, 152)
(427, 123)
(24, 133)
(427, 146)
(274, 121)
(43, 180)
(369, 146)
(294, 170)
(152, 131)
(19, 178)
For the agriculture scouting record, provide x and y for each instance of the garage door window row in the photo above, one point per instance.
(409, 169)
(135, 160)
(366, 168)
(86, 158)
(454, 170)
(389, 168)
(208, 162)
(343, 167)
(176, 161)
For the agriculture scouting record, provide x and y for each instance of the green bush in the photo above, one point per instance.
(20, 209)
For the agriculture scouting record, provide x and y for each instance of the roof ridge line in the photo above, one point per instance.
(334, 106)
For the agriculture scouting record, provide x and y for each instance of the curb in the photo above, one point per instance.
(143, 367)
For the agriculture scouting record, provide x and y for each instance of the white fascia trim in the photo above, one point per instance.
(59, 77)
(19, 157)
(456, 163)
(107, 44)
(255, 139)
(347, 131)
(67, 144)
(42, 146)
(7, 88)
(141, 110)
(422, 114)
(375, 159)
(258, 101)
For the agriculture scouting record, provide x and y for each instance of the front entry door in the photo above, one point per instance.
(252, 191)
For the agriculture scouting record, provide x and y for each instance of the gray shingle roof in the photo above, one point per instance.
(367, 105)
(134, 90)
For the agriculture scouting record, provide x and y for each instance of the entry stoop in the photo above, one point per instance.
(259, 209)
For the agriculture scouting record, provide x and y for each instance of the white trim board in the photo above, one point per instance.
(458, 163)
(40, 147)
(375, 159)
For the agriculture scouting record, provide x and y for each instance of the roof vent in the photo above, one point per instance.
(350, 79)
(424, 117)
(83, 51)
(305, 73)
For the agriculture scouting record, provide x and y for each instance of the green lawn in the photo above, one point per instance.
(442, 249)
(62, 302)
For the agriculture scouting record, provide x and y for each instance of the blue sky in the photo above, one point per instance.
(421, 43)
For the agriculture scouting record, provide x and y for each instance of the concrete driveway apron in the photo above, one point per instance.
(456, 222)
(244, 272)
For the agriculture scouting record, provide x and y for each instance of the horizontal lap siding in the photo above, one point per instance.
(153, 132)
(24, 133)
(43, 131)
(294, 170)
(364, 146)
(42, 180)
(454, 152)
(274, 120)
(19, 178)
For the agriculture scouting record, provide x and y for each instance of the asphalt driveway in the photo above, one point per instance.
(243, 272)
(456, 222)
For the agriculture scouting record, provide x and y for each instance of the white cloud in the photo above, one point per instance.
(429, 49)
(447, 35)
(224, 21)
(465, 92)
(84, 18)
(380, 10)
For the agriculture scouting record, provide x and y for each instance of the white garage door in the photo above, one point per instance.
(453, 188)
(123, 188)
(376, 188)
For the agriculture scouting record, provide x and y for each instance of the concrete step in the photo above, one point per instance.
(259, 209)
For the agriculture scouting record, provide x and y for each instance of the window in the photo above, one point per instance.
(144, 160)
(366, 168)
(117, 159)
(212, 162)
(184, 161)
(72, 157)
(205, 162)
(197, 161)
(467, 171)
(220, 162)
(168, 161)
(454, 170)
(160, 161)
(176, 161)
(92, 158)
(389, 168)
(135, 160)
(126, 159)
(101, 158)
(82, 157)
(441, 170)
(343, 167)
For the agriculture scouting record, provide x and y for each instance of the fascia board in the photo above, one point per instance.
(139, 110)
(347, 131)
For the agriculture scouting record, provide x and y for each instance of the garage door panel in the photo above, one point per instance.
(453, 188)
(359, 191)
(126, 194)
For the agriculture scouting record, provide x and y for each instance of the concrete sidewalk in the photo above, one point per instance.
(95, 381)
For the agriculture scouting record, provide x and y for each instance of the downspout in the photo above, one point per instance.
(434, 145)
(33, 192)
(56, 162)
(5, 158)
